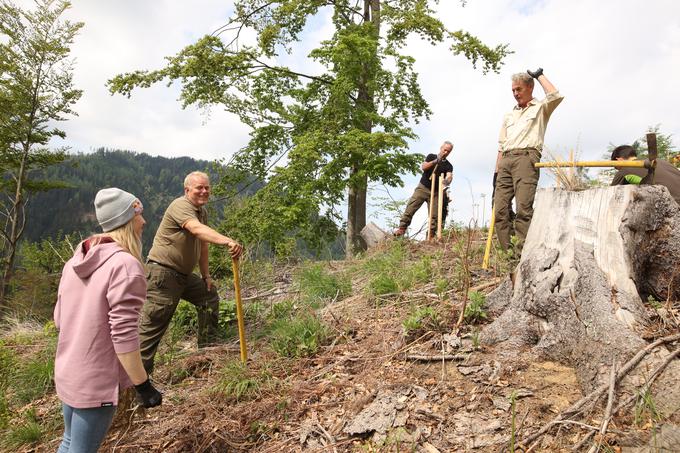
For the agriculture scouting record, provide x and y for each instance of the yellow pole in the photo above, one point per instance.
(433, 177)
(594, 163)
(440, 205)
(487, 251)
(239, 311)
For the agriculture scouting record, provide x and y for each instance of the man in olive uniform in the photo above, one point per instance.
(180, 243)
(520, 146)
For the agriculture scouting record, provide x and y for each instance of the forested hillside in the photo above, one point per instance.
(155, 180)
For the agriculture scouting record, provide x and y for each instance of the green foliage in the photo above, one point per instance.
(34, 377)
(421, 318)
(298, 336)
(7, 366)
(391, 272)
(236, 381)
(474, 310)
(34, 287)
(645, 408)
(26, 431)
(339, 128)
(36, 92)
(156, 180)
(317, 284)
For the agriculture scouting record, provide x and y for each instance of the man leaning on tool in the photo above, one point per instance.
(180, 243)
(665, 174)
(520, 145)
(438, 164)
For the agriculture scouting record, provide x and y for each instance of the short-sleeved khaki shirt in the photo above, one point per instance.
(525, 127)
(173, 246)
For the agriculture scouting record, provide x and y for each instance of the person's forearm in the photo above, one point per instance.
(208, 235)
(428, 165)
(132, 364)
(546, 85)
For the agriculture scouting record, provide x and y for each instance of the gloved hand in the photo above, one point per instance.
(147, 394)
(535, 74)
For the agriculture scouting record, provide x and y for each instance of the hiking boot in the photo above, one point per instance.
(399, 232)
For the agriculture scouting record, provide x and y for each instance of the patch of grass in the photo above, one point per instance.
(645, 409)
(382, 284)
(441, 285)
(317, 284)
(34, 377)
(26, 431)
(236, 381)
(282, 310)
(299, 336)
(7, 366)
(474, 310)
(420, 318)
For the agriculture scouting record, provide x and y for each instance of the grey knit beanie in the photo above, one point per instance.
(114, 208)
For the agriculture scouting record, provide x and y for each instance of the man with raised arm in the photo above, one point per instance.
(520, 146)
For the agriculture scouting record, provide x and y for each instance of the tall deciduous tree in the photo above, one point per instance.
(36, 90)
(342, 121)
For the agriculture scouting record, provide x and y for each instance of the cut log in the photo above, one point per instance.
(373, 235)
(589, 262)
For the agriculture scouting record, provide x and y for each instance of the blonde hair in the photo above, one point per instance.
(192, 175)
(125, 237)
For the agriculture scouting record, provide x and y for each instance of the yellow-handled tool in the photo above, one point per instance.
(239, 311)
(487, 251)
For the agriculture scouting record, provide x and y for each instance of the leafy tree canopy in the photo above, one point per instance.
(339, 127)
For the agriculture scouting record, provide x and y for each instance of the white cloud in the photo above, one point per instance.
(616, 62)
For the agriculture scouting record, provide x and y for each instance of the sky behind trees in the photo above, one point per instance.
(615, 61)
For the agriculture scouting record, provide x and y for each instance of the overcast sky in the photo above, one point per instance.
(617, 63)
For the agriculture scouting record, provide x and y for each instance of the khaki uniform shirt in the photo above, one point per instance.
(173, 246)
(525, 127)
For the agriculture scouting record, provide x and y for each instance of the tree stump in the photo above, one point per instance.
(580, 297)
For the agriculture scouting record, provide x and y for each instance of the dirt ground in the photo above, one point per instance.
(372, 389)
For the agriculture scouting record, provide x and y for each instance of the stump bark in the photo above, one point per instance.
(580, 296)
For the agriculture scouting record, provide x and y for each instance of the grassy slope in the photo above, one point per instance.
(326, 340)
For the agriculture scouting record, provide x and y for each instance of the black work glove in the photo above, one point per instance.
(535, 74)
(147, 394)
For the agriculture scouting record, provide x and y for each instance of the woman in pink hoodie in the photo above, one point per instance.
(101, 292)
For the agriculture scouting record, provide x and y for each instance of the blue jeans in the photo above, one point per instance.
(85, 429)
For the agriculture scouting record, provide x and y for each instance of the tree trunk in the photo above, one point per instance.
(16, 226)
(580, 293)
(356, 204)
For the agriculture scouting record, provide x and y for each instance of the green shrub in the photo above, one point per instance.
(474, 310)
(419, 318)
(27, 431)
(298, 337)
(317, 284)
(236, 381)
(383, 284)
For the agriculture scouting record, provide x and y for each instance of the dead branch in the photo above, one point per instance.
(593, 396)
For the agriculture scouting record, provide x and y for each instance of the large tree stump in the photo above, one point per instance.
(589, 262)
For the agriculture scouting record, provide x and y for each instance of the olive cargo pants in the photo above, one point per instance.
(420, 195)
(517, 178)
(165, 287)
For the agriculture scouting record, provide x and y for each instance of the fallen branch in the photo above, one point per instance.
(434, 358)
(595, 394)
(608, 412)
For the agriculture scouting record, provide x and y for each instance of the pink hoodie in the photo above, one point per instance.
(100, 295)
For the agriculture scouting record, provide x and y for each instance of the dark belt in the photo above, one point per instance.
(167, 267)
(508, 151)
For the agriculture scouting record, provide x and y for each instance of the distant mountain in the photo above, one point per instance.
(155, 180)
